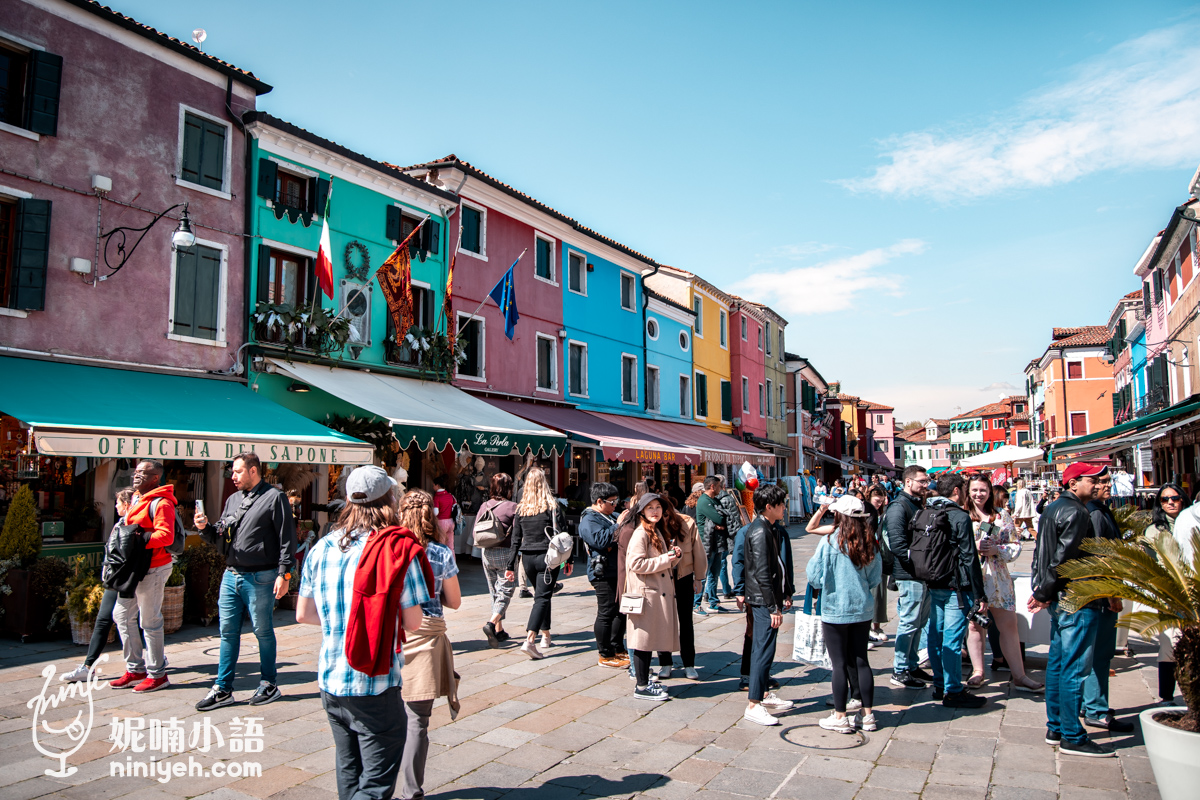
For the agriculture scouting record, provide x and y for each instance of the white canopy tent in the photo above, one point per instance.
(1002, 456)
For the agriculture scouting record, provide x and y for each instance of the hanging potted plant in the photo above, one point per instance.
(1153, 572)
(172, 604)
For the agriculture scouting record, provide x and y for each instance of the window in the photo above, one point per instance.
(652, 328)
(768, 335)
(29, 84)
(685, 396)
(780, 353)
(196, 289)
(547, 363)
(1018, 408)
(879, 419)
(684, 341)
(760, 399)
(726, 401)
(782, 402)
(881, 446)
(698, 307)
(629, 388)
(1074, 370)
(770, 386)
(652, 388)
(577, 369)
(745, 394)
(473, 342)
(285, 278)
(724, 328)
(744, 328)
(577, 274)
(24, 253)
(473, 233)
(1156, 278)
(203, 160)
(292, 190)
(760, 338)
(701, 394)
(628, 295)
(1079, 423)
(544, 259)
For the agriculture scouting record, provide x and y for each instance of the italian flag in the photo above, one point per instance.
(324, 252)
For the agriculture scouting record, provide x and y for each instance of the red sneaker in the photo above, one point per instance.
(128, 679)
(152, 684)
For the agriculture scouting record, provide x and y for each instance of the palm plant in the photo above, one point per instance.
(1152, 571)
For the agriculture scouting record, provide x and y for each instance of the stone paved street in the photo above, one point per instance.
(565, 727)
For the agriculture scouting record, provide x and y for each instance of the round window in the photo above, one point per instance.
(652, 328)
(683, 340)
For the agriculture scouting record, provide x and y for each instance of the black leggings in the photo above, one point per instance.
(542, 581)
(847, 646)
(641, 666)
(104, 623)
(685, 596)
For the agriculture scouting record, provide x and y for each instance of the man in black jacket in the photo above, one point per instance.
(767, 576)
(954, 597)
(1063, 526)
(912, 606)
(257, 535)
(598, 529)
(1096, 711)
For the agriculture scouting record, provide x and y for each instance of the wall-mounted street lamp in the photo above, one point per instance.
(181, 239)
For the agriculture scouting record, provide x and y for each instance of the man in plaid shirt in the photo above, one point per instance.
(365, 713)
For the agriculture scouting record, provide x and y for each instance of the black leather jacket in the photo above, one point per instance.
(1064, 524)
(899, 513)
(767, 569)
(126, 559)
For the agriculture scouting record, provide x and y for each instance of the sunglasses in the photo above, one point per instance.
(1170, 498)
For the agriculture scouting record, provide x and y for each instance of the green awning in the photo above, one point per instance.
(1189, 406)
(78, 410)
(428, 413)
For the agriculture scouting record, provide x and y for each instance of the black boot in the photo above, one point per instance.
(1166, 681)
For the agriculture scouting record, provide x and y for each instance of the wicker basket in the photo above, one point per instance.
(172, 608)
(81, 630)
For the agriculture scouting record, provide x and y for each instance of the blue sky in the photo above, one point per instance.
(923, 190)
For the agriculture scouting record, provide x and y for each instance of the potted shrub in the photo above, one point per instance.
(83, 596)
(20, 543)
(289, 600)
(172, 605)
(203, 568)
(1153, 572)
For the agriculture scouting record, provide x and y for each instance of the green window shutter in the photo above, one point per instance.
(320, 196)
(44, 81)
(726, 401)
(392, 227)
(470, 230)
(702, 395)
(193, 135)
(544, 269)
(433, 240)
(31, 252)
(197, 292)
(267, 173)
(264, 274)
(212, 156)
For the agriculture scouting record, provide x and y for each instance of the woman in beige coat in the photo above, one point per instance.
(689, 580)
(649, 566)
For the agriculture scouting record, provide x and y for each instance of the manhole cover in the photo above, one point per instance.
(814, 737)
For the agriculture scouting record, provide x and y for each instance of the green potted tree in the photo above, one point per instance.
(1154, 572)
(83, 596)
(172, 605)
(20, 543)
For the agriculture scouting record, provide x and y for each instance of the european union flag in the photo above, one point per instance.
(505, 295)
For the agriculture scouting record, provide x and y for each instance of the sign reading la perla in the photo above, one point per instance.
(490, 444)
(116, 444)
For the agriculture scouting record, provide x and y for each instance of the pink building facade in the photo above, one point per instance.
(881, 420)
(747, 368)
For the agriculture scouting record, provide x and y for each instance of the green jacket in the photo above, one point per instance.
(711, 522)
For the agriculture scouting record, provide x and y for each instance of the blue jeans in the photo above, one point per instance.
(1095, 685)
(912, 610)
(947, 631)
(1072, 644)
(762, 651)
(716, 572)
(240, 591)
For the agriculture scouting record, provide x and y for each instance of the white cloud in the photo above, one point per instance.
(1005, 388)
(1137, 106)
(833, 285)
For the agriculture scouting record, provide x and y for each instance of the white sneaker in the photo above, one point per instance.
(530, 649)
(867, 722)
(832, 723)
(664, 672)
(759, 716)
(692, 674)
(853, 705)
(545, 642)
(922, 659)
(76, 675)
(878, 636)
(775, 702)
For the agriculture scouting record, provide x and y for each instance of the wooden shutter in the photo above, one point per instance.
(470, 230)
(193, 135)
(212, 156)
(431, 237)
(392, 228)
(267, 174)
(319, 195)
(726, 400)
(197, 292)
(42, 89)
(263, 293)
(31, 251)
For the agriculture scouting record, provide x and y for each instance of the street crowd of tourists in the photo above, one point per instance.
(378, 582)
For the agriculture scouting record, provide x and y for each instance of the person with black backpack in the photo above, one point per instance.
(943, 555)
(912, 605)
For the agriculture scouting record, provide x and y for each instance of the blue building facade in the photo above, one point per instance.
(669, 357)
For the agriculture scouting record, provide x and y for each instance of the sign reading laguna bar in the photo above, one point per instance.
(119, 444)
(648, 456)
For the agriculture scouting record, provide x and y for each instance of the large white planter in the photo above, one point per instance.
(1174, 756)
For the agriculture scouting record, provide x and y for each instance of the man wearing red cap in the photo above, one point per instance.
(1064, 525)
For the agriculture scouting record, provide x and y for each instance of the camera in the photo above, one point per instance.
(978, 617)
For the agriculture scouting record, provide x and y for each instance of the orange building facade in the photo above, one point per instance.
(1079, 383)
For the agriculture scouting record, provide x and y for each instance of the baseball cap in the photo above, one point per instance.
(849, 506)
(368, 484)
(1084, 469)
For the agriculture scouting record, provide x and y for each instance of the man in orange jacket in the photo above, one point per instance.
(154, 510)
